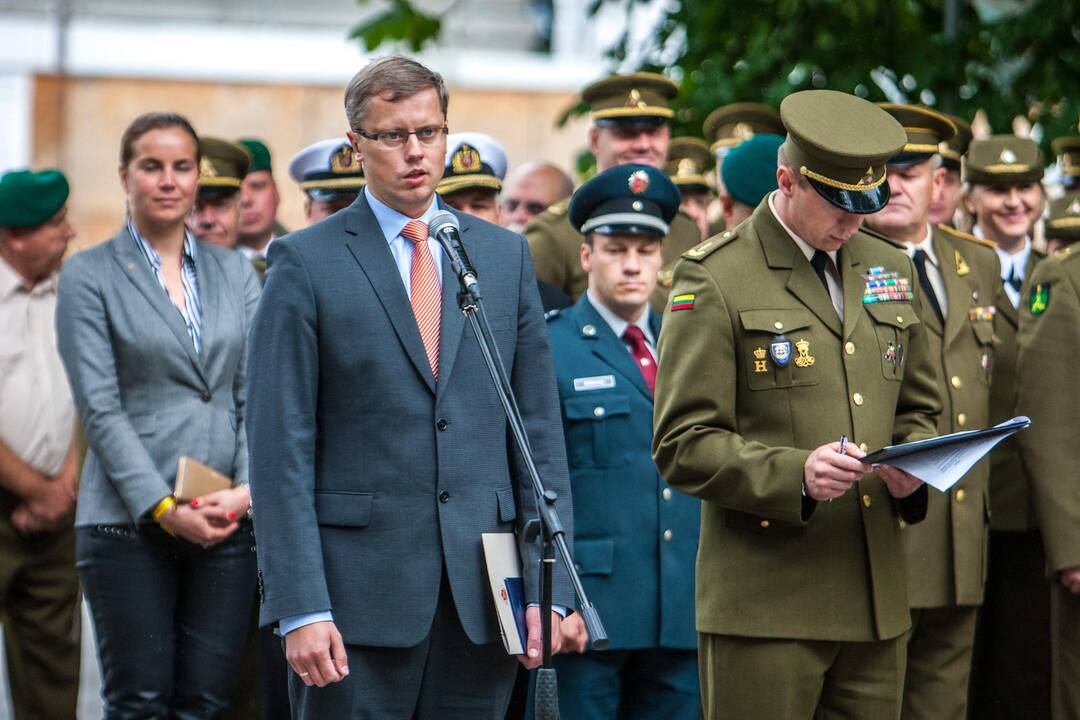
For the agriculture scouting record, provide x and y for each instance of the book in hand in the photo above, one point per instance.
(194, 479)
(507, 588)
(941, 461)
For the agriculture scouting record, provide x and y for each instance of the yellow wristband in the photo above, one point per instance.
(167, 503)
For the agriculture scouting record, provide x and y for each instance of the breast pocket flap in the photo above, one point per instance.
(775, 322)
(596, 406)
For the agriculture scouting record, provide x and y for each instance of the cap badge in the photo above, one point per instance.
(634, 99)
(1074, 208)
(687, 167)
(465, 160)
(638, 181)
(342, 160)
(1007, 156)
(742, 132)
(868, 178)
(206, 168)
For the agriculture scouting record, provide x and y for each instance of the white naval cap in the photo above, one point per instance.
(472, 160)
(327, 169)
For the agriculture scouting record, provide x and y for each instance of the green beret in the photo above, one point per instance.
(260, 154)
(749, 169)
(30, 198)
(841, 144)
(1063, 220)
(1003, 160)
(631, 199)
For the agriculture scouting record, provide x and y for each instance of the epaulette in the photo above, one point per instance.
(1066, 252)
(703, 249)
(551, 314)
(965, 236)
(560, 208)
(878, 236)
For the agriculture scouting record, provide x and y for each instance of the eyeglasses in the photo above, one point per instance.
(531, 207)
(392, 139)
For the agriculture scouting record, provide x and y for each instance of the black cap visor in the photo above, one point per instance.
(632, 121)
(907, 159)
(627, 229)
(861, 202)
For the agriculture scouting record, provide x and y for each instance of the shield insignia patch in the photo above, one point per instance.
(780, 351)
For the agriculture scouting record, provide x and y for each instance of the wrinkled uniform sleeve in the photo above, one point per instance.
(84, 341)
(283, 383)
(696, 442)
(1049, 345)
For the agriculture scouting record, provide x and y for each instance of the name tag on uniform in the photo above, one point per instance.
(596, 382)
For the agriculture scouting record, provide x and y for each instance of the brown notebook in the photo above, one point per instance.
(193, 479)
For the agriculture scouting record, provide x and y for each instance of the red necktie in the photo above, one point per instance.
(425, 291)
(642, 357)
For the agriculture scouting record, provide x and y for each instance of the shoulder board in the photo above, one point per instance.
(551, 314)
(1068, 252)
(560, 207)
(878, 236)
(953, 232)
(703, 249)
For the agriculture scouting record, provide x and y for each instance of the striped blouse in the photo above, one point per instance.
(192, 310)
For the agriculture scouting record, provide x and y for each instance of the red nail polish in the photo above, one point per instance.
(231, 515)
(195, 502)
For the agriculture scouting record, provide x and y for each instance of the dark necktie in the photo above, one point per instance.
(1015, 280)
(639, 349)
(924, 282)
(819, 261)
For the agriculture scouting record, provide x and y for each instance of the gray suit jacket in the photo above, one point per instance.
(368, 478)
(144, 396)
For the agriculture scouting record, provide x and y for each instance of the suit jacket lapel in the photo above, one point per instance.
(782, 253)
(134, 265)
(368, 246)
(609, 348)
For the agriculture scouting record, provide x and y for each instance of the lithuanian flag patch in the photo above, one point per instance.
(683, 302)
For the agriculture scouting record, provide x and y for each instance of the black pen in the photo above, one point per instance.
(843, 444)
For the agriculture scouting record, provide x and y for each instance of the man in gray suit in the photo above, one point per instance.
(379, 449)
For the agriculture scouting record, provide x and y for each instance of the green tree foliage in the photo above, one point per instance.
(1006, 57)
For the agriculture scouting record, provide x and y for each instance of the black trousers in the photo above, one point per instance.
(445, 677)
(170, 618)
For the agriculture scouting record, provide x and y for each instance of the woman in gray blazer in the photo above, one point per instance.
(152, 330)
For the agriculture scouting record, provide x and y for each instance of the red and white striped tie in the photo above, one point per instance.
(425, 291)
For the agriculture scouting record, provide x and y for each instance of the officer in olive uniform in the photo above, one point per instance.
(222, 167)
(330, 175)
(1067, 150)
(749, 175)
(630, 115)
(688, 164)
(780, 338)
(1049, 344)
(1011, 667)
(958, 274)
(951, 151)
(259, 199)
(1062, 224)
(636, 538)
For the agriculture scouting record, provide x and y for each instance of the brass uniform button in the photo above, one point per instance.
(778, 325)
(955, 381)
(857, 398)
(900, 319)
(668, 535)
(599, 411)
(866, 500)
(849, 348)
(764, 523)
(864, 447)
(666, 494)
(961, 419)
(960, 495)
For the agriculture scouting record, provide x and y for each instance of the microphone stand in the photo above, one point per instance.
(549, 526)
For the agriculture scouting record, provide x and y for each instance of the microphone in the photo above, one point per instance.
(444, 227)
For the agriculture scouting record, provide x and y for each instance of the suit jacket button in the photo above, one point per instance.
(444, 496)
(206, 397)
(442, 423)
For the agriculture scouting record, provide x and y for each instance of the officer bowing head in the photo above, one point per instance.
(217, 206)
(831, 168)
(624, 214)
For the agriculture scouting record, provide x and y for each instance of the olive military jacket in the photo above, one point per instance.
(555, 245)
(1049, 345)
(1011, 504)
(949, 547)
(734, 427)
